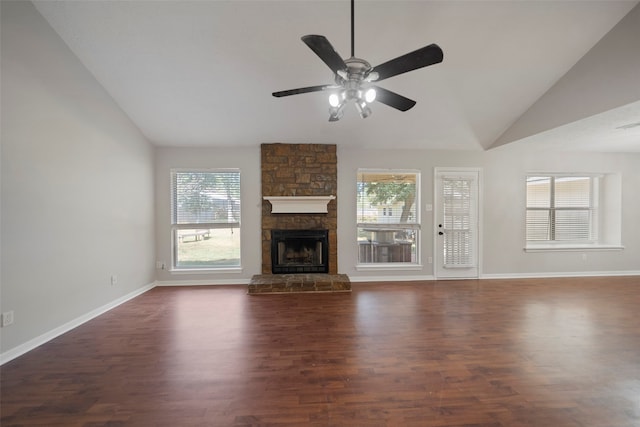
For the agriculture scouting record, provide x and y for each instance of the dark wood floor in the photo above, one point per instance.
(551, 353)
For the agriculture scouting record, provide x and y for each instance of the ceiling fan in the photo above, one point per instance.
(354, 76)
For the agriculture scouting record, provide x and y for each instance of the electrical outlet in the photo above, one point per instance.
(7, 318)
(430, 260)
(114, 280)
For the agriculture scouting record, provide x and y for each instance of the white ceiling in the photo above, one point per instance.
(201, 73)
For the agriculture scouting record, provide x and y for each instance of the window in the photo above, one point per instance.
(388, 223)
(562, 209)
(205, 219)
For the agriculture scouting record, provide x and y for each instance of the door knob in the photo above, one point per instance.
(440, 233)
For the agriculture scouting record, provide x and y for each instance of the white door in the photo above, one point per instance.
(456, 223)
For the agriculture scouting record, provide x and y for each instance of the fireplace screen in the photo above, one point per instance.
(299, 251)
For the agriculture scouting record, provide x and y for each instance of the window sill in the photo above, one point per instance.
(571, 247)
(388, 266)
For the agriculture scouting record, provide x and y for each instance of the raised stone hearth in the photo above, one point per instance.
(289, 283)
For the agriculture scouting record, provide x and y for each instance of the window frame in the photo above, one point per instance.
(414, 226)
(597, 212)
(175, 227)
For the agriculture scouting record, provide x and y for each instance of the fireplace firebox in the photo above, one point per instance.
(299, 251)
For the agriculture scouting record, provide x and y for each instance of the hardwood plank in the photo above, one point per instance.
(556, 352)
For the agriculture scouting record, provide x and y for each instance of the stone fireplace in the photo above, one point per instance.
(299, 170)
(300, 173)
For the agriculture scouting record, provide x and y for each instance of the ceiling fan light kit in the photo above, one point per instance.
(354, 77)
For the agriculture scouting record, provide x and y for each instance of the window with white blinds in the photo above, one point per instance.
(458, 222)
(561, 208)
(205, 218)
(387, 216)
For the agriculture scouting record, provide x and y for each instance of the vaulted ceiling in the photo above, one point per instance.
(201, 73)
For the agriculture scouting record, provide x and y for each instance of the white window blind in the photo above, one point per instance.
(458, 223)
(206, 197)
(561, 209)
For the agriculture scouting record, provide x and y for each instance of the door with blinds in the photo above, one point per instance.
(456, 224)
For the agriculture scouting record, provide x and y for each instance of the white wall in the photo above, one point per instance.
(77, 186)
(245, 159)
(510, 165)
(502, 215)
(503, 176)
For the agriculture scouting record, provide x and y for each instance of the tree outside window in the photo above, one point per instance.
(388, 227)
(206, 219)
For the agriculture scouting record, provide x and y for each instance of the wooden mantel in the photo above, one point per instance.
(299, 204)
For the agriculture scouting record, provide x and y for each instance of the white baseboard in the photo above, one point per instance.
(549, 275)
(246, 281)
(543, 275)
(420, 278)
(381, 278)
(202, 282)
(48, 336)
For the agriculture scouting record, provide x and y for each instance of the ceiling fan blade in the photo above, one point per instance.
(321, 46)
(422, 57)
(301, 90)
(393, 99)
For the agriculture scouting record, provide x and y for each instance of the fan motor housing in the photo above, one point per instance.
(357, 69)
